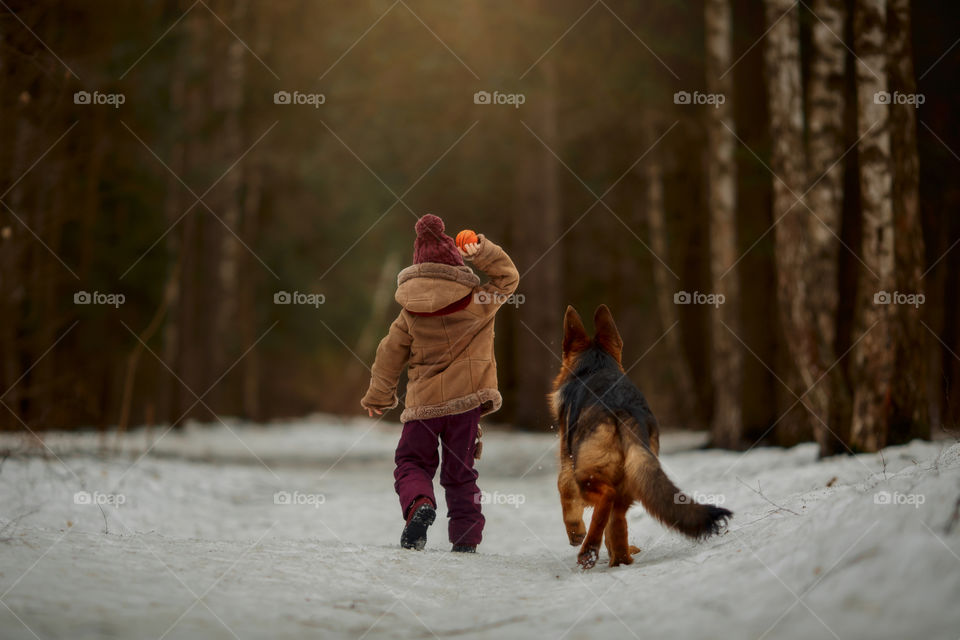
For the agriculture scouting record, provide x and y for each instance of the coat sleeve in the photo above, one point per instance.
(393, 353)
(494, 262)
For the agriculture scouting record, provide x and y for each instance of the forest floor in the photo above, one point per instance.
(189, 541)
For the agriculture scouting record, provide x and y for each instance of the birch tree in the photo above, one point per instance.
(910, 417)
(663, 280)
(727, 361)
(538, 225)
(782, 70)
(875, 351)
(825, 116)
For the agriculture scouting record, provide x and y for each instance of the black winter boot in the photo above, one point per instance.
(419, 518)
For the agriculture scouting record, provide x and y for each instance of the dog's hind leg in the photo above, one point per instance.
(602, 498)
(571, 503)
(617, 535)
(608, 533)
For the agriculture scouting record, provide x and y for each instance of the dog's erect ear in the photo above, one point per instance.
(575, 336)
(606, 334)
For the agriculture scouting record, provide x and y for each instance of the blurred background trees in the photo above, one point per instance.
(200, 198)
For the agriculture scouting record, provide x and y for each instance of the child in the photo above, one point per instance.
(445, 333)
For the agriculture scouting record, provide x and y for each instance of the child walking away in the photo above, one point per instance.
(445, 333)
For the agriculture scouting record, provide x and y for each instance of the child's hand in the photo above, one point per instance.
(370, 412)
(469, 250)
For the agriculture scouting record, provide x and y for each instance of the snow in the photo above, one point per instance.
(198, 547)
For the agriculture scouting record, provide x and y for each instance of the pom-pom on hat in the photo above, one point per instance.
(433, 245)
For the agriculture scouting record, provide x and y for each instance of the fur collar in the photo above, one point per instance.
(462, 275)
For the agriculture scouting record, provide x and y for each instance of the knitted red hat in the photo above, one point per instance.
(433, 245)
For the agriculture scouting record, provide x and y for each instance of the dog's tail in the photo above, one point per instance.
(664, 501)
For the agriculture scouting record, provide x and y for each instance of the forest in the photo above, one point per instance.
(205, 205)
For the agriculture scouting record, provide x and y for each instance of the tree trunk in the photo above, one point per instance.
(782, 70)
(825, 112)
(172, 391)
(228, 208)
(538, 223)
(875, 353)
(910, 411)
(14, 257)
(193, 312)
(664, 284)
(756, 269)
(247, 296)
(250, 269)
(727, 360)
(50, 205)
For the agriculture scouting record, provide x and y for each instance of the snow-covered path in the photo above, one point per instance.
(199, 547)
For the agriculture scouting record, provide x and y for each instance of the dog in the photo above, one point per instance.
(609, 443)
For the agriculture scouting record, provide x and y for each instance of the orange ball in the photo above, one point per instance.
(465, 237)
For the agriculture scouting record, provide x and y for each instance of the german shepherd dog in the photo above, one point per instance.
(609, 443)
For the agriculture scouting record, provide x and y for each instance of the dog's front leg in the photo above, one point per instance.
(602, 499)
(572, 504)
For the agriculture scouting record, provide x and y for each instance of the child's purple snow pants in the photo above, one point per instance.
(417, 460)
